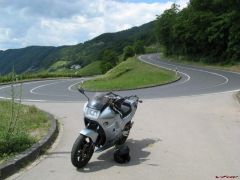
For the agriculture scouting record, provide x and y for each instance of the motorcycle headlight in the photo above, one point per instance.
(91, 113)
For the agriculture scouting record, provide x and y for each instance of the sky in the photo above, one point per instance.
(67, 22)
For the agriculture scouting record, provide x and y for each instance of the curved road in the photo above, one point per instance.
(194, 81)
(182, 138)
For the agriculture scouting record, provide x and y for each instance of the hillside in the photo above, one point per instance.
(123, 77)
(206, 31)
(37, 58)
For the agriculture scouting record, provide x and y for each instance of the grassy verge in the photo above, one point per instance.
(16, 136)
(130, 74)
(56, 72)
(188, 61)
(91, 69)
(154, 48)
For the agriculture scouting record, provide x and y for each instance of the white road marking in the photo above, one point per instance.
(200, 70)
(29, 100)
(32, 90)
(18, 84)
(188, 77)
(140, 57)
(17, 99)
(7, 86)
(70, 87)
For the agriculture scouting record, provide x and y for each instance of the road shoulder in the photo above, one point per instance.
(21, 160)
(238, 96)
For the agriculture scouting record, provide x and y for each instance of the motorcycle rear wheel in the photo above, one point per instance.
(82, 151)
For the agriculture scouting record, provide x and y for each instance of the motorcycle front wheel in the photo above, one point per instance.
(82, 151)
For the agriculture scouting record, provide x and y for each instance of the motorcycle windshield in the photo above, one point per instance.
(98, 101)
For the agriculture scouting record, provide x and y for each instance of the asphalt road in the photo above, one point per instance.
(175, 136)
(194, 81)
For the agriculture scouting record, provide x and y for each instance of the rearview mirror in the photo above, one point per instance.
(81, 90)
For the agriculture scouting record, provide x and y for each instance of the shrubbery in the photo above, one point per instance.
(14, 143)
(206, 29)
(20, 125)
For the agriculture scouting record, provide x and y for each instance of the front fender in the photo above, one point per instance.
(89, 133)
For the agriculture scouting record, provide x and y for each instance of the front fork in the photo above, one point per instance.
(90, 133)
(127, 129)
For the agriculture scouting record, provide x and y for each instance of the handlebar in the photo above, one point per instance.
(140, 101)
(118, 97)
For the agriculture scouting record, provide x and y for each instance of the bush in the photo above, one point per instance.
(205, 29)
(109, 60)
(14, 143)
(128, 51)
(17, 123)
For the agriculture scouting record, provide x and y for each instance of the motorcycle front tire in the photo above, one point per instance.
(82, 151)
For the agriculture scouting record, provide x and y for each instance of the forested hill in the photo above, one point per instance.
(36, 58)
(207, 30)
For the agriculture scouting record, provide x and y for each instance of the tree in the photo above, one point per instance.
(206, 29)
(138, 47)
(109, 60)
(164, 28)
(128, 52)
(202, 5)
(233, 49)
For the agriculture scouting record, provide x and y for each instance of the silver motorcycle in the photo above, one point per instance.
(108, 120)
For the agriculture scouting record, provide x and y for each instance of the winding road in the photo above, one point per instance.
(194, 81)
(187, 130)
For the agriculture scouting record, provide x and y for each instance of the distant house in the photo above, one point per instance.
(75, 67)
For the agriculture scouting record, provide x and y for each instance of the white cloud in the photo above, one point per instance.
(61, 22)
(182, 3)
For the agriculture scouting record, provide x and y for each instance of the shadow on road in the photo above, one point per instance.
(138, 155)
(58, 152)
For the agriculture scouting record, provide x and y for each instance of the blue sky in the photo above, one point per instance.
(146, 1)
(65, 22)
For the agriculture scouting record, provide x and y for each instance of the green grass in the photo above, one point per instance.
(154, 48)
(130, 74)
(31, 126)
(59, 64)
(91, 69)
